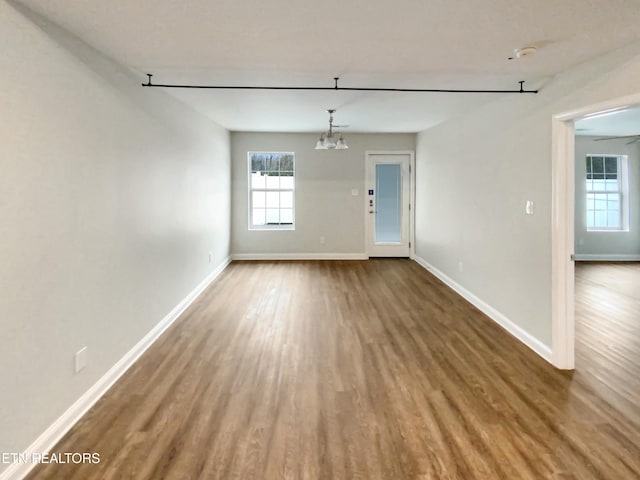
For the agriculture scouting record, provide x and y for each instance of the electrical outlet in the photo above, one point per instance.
(355, 192)
(323, 240)
(460, 266)
(210, 257)
(81, 359)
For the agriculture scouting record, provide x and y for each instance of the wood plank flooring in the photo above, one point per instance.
(608, 330)
(362, 370)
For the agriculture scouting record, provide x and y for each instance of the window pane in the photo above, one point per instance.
(611, 165)
(589, 168)
(273, 200)
(258, 216)
(258, 200)
(286, 183)
(613, 202)
(257, 180)
(600, 219)
(257, 162)
(273, 163)
(273, 216)
(590, 201)
(589, 185)
(388, 216)
(286, 215)
(613, 219)
(611, 185)
(286, 163)
(601, 202)
(286, 199)
(273, 182)
(590, 219)
(598, 185)
(598, 164)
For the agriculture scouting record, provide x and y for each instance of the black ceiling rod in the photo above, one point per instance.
(338, 88)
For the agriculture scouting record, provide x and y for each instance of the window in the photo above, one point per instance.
(606, 196)
(271, 190)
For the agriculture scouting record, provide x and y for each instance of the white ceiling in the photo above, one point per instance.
(624, 122)
(404, 43)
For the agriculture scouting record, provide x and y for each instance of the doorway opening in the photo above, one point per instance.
(594, 212)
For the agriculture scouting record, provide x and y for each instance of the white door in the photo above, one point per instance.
(388, 196)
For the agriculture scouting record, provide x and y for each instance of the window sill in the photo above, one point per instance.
(608, 230)
(271, 229)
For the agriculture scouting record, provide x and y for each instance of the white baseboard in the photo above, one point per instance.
(589, 257)
(299, 256)
(525, 337)
(53, 434)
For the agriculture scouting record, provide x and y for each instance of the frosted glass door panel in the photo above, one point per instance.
(389, 203)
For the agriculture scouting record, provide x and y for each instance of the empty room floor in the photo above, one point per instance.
(608, 331)
(359, 370)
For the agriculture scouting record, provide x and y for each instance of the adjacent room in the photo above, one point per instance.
(271, 239)
(607, 250)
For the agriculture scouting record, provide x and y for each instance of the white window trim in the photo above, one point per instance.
(250, 197)
(623, 170)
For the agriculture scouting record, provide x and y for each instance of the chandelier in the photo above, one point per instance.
(331, 140)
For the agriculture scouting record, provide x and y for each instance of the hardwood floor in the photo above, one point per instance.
(363, 370)
(608, 331)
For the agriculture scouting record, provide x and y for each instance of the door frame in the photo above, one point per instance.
(412, 195)
(563, 227)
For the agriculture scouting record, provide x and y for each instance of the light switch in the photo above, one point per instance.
(529, 207)
(354, 192)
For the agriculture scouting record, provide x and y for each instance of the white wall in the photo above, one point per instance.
(475, 173)
(111, 198)
(323, 200)
(615, 242)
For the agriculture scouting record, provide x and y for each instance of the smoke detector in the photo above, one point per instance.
(527, 51)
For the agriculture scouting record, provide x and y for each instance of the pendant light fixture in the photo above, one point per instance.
(330, 140)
